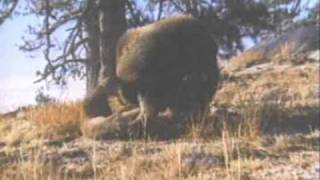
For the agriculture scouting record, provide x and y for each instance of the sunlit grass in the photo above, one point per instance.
(247, 59)
(59, 119)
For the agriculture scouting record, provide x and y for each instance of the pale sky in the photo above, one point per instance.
(17, 70)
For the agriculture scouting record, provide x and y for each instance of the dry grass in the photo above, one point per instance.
(15, 132)
(232, 157)
(57, 119)
(278, 96)
(30, 170)
(166, 165)
(237, 148)
(295, 85)
(281, 94)
(51, 122)
(244, 61)
(286, 53)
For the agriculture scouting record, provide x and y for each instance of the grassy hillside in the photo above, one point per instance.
(263, 124)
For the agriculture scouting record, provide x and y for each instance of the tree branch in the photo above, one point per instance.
(8, 13)
(49, 70)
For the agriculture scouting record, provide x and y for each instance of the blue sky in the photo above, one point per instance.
(17, 70)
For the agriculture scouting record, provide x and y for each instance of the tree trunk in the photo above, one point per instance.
(92, 29)
(112, 24)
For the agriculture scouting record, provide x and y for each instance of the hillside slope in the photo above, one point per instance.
(263, 124)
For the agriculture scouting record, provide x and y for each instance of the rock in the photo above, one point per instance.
(303, 39)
